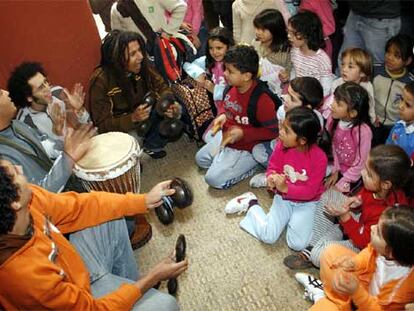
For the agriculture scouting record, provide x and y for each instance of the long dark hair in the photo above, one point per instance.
(398, 233)
(114, 60)
(221, 34)
(273, 21)
(357, 98)
(308, 25)
(391, 163)
(305, 123)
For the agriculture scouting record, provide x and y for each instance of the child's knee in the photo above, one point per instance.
(296, 241)
(269, 239)
(296, 244)
(214, 179)
(259, 154)
(202, 160)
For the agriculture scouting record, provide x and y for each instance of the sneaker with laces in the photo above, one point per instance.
(258, 181)
(240, 204)
(313, 286)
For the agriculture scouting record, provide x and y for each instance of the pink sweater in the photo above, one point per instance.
(194, 14)
(350, 148)
(304, 171)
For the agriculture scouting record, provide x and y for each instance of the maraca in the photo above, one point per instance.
(182, 198)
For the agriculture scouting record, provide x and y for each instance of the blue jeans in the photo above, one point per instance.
(262, 152)
(153, 140)
(108, 256)
(370, 34)
(225, 166)
(297, 216)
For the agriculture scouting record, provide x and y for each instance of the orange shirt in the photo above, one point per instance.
(32, 278)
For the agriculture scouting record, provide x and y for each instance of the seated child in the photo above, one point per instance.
(295, 174)
(349, 127)
(389, 81)
(239, 125)
(356, 66)
(273, 47)
(219, 41)
(306, 37)
(402, 134)
(303, 91)
(386, 175)
(380, 277)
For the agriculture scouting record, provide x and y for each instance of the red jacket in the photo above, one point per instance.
(235, 107)
(360, 231)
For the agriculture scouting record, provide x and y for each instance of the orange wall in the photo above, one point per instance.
(61, 34)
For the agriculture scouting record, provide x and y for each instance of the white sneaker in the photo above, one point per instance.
(239, 204)
(313, 287)
(258, 181)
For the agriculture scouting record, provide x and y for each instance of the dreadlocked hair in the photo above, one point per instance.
(115, 60)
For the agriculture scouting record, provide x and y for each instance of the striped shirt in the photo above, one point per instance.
(318, 66)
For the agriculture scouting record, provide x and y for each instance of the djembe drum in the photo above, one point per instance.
(112, 164)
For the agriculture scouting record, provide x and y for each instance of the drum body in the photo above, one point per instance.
(111, 164)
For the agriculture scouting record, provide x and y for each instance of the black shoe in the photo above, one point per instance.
(155, 154)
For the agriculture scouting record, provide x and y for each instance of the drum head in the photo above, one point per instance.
(110, 155)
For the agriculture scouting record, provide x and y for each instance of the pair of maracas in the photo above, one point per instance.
(182, 198)
(169, 127)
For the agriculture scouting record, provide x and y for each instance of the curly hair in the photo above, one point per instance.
(8, 194)
(244, 58)
(308, 25)
(18, 84)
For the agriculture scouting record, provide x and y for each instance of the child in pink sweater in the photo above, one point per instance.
(295, 174)
(349, 126)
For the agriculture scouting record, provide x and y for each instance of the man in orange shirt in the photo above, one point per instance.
(95, 269)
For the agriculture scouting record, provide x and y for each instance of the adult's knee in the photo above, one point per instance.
(167, 302)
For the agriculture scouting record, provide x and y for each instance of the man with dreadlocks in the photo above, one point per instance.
(118, 86)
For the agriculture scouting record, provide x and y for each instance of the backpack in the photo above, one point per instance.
(198, 106)
(259, 89)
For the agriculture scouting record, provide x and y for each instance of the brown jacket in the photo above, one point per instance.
(109, 110)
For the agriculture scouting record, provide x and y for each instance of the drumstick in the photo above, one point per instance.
(215, 129)
(223, 144)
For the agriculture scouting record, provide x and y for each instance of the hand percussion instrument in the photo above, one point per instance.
(143, 127)
(180, 248)
(111, 164)
(182, 198)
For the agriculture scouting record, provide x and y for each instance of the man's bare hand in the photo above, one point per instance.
(58, 119)
(75, 99)
(77, 141)
(141, 113)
